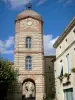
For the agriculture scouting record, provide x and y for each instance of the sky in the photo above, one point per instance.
(56, 15)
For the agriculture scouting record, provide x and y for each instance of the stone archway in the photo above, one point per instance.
(29, 91)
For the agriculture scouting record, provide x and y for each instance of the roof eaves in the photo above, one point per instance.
(59, 40)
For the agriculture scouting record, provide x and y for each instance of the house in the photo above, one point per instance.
(65, 63)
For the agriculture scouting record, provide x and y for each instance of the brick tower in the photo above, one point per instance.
(29, 54)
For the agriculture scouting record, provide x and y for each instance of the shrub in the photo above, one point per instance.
(73, 70)
(8, 76)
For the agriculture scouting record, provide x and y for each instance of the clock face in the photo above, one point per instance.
(29, 23)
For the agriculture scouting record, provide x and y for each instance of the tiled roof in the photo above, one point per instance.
(29, 13)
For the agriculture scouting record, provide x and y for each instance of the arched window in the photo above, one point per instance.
(28, 63)
(28, 42)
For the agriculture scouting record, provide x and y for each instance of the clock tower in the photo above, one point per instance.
(29, 55)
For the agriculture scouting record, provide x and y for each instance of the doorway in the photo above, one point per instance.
(28, 90)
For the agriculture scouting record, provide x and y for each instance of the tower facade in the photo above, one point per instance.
(29, 54)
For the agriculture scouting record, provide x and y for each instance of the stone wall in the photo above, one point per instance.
(49, 76)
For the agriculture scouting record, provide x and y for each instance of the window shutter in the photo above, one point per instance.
(68, 63)
(60, 68)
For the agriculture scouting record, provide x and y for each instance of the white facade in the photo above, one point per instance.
(65, 58)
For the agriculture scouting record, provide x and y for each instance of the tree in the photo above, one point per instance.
(8, 76)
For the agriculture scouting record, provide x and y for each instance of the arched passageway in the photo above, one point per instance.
(29, 90)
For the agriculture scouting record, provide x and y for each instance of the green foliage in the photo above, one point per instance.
(73, 70)
(49, 98)
(60, 77)
(66, 75)
(7, 74)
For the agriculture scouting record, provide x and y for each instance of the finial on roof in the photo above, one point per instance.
(29, 6)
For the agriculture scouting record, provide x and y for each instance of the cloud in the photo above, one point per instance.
(5, 46)
(41, 2)
(60, 1)
(16, 3)
(9, 42)
(8, 52)
(66, 2)
(20, 3)
(48, 44)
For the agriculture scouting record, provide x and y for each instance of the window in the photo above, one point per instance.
(60, 46)
(74, 30)
(28, 42)
(49, 79)
(68, 62)
(66, 40)
(49, 67)
(28, 63)
(68, 94)
(61, 69)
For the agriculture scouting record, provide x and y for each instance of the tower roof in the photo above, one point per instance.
(29, 13)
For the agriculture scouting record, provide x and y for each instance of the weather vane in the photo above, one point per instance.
(29, 6)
